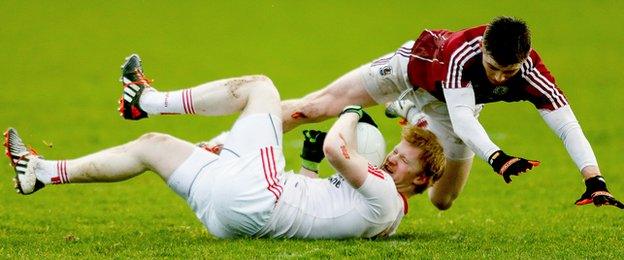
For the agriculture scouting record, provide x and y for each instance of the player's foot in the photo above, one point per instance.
(399, 108)
(134, 83)
(402, 107)
(20, 156)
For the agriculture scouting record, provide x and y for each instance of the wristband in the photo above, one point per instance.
(352, 109)
(310, 165)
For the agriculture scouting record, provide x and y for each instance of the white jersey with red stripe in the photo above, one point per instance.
(244, 191)
(253, 196)
(332, 208)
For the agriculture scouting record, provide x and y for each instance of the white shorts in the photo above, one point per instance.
(386, 79)
(234, 193)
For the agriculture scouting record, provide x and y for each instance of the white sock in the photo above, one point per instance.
(51, 172)
(162, 103)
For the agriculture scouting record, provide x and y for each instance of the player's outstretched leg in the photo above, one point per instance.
(160, 153)
(20, 156)
(220, 97)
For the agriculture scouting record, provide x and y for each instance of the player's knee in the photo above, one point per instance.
(253, 83)
(266, 84)
(443, 203)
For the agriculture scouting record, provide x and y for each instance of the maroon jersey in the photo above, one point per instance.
(444, 59)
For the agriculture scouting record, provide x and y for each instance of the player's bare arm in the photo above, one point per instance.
(340, 147)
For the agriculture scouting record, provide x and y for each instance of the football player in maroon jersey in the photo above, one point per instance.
(442, 80)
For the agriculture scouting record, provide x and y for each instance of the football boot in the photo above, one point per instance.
(25, 180)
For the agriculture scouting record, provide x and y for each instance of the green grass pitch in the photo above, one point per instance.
(59, 65)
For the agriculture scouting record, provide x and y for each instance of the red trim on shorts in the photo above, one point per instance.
(274, 176)
(270, 172)
(264, 168)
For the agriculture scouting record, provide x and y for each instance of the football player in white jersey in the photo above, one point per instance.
(244, 190)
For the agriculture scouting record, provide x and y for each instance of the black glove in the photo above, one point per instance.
(506, 165)
(596, 192)
(366, 118)
(312, 152)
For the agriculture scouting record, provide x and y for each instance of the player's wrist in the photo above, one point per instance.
(498, 160)
(596, 183)
(355, 109)
(310, 165)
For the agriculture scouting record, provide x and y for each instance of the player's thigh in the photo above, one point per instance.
(439, 122)
(459, 156)
(386, 77)
(162, 153)
(251, 133)
(184, 177)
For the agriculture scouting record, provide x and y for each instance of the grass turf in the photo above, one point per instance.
(59, 72)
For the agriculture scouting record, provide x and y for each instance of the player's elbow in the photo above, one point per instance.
(334, 152)
(331, 152)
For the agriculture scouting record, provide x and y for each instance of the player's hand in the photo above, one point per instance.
(312, 152)
(313, 145)
(366, 118)
(507, 166)
(596, 192)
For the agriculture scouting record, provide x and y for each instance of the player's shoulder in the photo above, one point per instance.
(468, 35)
(534, 61)
(460, 41)
(534, 57)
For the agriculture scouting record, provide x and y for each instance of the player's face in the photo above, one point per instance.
(496, 73)
(403, 164)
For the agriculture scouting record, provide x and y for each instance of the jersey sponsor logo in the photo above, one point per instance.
(336, 180)
(372, 169)
(500, 90)
(385, 71)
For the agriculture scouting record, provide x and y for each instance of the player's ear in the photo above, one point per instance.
(421, 179)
